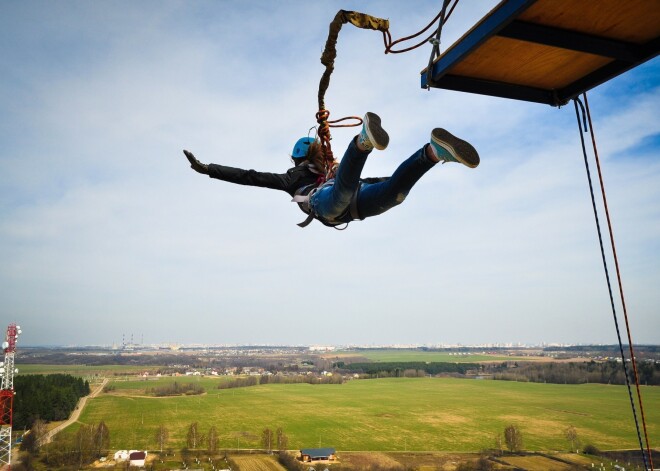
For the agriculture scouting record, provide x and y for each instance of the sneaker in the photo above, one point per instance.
(372, 134)
(449, 148)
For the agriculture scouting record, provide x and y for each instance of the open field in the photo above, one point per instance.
(414, 414)
(535, 463)
(395, 355)
(446, 461)
(257, 463)
(429, 461)
(83, 370)
(136, 387)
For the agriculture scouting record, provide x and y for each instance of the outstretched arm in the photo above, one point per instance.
(240, 176)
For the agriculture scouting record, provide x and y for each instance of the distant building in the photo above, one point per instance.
(317, 454)
(137, 458)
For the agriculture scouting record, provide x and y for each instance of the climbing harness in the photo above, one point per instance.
(303, 196)
(586, 116)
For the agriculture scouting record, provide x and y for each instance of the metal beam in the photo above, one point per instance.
(498, 89)
(572, 40)
(607, 72)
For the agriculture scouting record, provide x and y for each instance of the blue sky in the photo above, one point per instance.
(105, 231)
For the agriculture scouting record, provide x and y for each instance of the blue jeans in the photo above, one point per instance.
(331, 203)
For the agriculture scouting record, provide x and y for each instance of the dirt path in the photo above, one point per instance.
(74, 417)
(75, 414)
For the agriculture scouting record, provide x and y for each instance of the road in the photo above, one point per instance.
(75, 414)
(73, 418)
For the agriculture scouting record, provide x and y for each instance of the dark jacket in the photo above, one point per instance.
(292, 180)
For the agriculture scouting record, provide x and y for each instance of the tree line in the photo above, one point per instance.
(280, 379)
(609, 372)
(176, 389)
(92, 441)
(46, 397)
(296, 379)
(397, 369)
(612, 349)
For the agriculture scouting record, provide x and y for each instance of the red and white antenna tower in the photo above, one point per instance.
(7, 371)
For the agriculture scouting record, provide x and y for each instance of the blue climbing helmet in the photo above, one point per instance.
(301, 147)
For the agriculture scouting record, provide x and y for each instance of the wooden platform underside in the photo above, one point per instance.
(549, 51)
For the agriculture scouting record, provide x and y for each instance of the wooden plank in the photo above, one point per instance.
(636, 21)
(521, 63)
(495, 20)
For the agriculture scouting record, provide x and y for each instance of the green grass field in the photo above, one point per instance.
(395, 355)
(130, 385)
(83, 370)
(422, 414)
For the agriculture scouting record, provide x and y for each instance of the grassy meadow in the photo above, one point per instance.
(396, 355)
(136, 387)
(83, 370)
(422, 414)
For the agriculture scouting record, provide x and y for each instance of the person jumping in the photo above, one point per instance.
(348, 197)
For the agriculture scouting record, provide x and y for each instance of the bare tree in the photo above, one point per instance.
(267, 439)
(101, 438)
(162, 436)
(513, 438)
(84, 444)
(193, 437)
(572, 436)
(32, 441)
(212, 439)
(499, 443)
(282, 440)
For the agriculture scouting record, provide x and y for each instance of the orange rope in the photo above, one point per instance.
(325, 137)
(326, 148)
(387, 37)
(363, 21)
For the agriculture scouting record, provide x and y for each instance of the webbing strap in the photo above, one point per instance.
(303, 202)
(307, 221)
(353, 207)
(361, 20)
(435, 51)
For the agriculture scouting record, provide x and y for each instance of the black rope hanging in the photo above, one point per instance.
(576, 102)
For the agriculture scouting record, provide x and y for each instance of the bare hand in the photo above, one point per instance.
(195, 164)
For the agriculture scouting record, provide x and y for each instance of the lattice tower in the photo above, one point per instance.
(7, 393)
